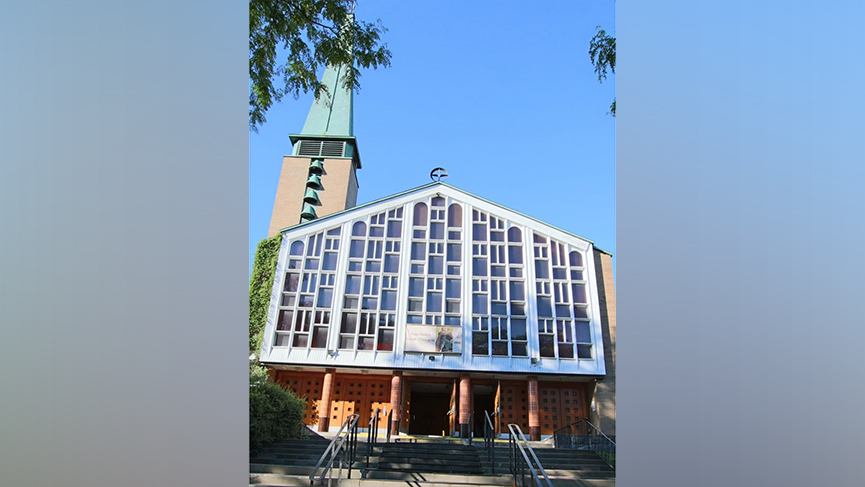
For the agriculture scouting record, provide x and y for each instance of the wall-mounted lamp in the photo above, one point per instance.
(432, 358)
(535, 361)
(331, 353)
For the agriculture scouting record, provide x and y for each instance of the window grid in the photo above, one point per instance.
(370, 298)
(498, 288)
(563, 319)
(434, 295)
(304, 313)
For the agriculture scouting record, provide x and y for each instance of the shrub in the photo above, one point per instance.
(275, 412)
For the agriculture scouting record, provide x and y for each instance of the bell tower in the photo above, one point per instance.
(320, 175)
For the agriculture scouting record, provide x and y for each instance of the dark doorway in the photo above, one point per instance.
(429, 408)
(485, 398)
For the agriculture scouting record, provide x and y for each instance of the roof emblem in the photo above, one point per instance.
(438, 174)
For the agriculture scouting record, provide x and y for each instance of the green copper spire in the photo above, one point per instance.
(332, 113)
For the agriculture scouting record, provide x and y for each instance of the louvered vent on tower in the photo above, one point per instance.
(322, 148)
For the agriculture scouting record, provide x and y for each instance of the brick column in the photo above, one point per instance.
(534, 410)
(324, 404)
(395, 401)
(465, 405)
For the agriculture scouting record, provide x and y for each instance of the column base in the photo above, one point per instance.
(535, 433)
(394, 427)
(323, 424)
(465, 431)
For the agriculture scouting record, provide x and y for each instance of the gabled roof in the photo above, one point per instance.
(429, 186)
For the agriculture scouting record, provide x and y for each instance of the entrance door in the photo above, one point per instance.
(484, 402)
(429, 408)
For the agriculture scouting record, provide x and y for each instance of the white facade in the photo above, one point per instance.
(363, 287)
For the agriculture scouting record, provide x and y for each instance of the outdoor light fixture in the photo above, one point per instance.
(432, 358)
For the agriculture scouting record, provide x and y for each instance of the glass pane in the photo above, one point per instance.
(500, 348)
(479, 266)
(480, 343)
(577, 275)
(516, 272)
(376, 231)
(566, 350)
(365, 343)
(479, 232)
(329, 262)
(576, 259)
(583, 335)
(452, 288)
(319, 337)
(497, 236)
(281, 340)
(284, 322)
(559, 273)
(369, 303)
(500, 308)
(518, 291)
(454, 270)
(414, 319)
(479, 304)
(437, 231)
(541, 269)
(415, 305)
(359, 229)
(584, 351)
(545, 307)
(385, 340)
(346, 342)
(300, 341)
(579, 293)
(297, 248)
(352, 284)
(518, 330)
(354, 266)
(351, 303)
(452, 321)
(452, 307)
(515, 254)
(415, 287)
(497, 271)
(419, 234)
(434, 302)
(394, 228)
(294, 264)
(288, 300)
(418, 251)
(563, 311)
(518, 309)
(515, 235)
(420, 214)
(349, 323)
(454, 252)
(436, 265)
(547, 346)
(373, 266)
(356, 249)
(306, 301)
(388, 300)
(455, 216)
(438, 201)
(519, 349)
(391, 263)
(291, 282)
(325, 296)
(581, 312)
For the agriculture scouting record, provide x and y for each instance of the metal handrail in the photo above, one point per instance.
(389, 422)
(372, 434)
(519, 443)
(568, 437)
(335, 447)
(490, 440)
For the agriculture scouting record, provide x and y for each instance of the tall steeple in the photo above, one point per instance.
(332, 113)
(320, 175)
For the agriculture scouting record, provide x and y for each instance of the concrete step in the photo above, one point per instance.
(432, 468)
(427, 480)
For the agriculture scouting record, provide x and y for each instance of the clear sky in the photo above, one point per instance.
(500, 93)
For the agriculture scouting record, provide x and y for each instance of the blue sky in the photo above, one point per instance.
(502, 94)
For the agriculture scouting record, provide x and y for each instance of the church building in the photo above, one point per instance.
(432, 305)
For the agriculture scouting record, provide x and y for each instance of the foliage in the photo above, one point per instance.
(260, 286)
(275, 413)
(602, 52)
(315, 33)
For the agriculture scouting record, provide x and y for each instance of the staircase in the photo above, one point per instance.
(425, 463)
(563, 467)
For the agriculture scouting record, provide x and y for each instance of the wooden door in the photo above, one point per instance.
(497, 407)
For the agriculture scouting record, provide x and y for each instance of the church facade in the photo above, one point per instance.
(431, 306)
